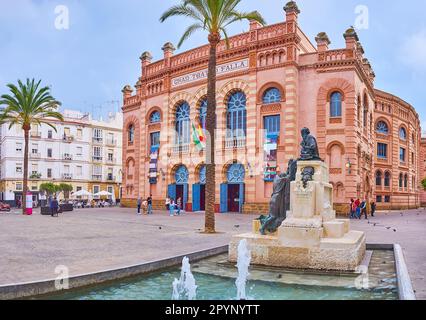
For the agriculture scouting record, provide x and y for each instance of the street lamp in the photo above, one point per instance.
(349, 166)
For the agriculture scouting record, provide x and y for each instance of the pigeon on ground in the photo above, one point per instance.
(394, 230)
(388, 228)
(237, 226)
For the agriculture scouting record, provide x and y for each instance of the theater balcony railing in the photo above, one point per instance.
(234, 143)
(181, 148)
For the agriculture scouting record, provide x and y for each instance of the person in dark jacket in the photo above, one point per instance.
(373, 208)
(54, 206)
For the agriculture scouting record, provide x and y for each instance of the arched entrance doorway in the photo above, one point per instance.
(232, 192)
(199, 191)
(179, 189)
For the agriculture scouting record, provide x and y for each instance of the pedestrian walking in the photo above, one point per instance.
(358, 209)
(178, 206)
(352, 209)
(364, 209)
(149, 203)
(54, 206)
(167, 203)
(139, 203)
(172, 206)
(373, 208)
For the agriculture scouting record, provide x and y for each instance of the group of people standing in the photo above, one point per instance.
(359, 208)
(174, 207)
(145, 205)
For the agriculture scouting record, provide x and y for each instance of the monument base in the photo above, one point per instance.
(311, 252)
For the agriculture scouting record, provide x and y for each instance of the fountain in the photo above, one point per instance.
(243, 269)
(185, 287)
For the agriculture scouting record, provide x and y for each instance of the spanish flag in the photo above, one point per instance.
(198, 137)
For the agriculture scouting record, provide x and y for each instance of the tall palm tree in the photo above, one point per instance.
(213, 16)
(27, 105)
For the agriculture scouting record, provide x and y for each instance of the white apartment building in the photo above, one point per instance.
(83, 152)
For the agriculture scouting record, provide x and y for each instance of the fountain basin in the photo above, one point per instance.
(215, 278)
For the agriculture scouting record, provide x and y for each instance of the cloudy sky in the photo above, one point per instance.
(88, 64)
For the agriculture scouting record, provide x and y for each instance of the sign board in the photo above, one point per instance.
(222, 69)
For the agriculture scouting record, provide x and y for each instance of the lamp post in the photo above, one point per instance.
(349, 166)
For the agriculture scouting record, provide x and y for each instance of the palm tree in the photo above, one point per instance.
(213, 16)
(27, 105)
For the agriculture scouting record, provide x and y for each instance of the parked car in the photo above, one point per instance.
(4, 207)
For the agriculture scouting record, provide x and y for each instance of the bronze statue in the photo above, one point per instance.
(280, 200)
(309, 147)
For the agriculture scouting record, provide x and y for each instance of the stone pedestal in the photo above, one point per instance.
(311, 237)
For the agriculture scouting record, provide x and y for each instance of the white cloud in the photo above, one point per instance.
(413, 50)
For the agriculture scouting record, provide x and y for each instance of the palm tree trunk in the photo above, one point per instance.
(25, 180)
(210, 127)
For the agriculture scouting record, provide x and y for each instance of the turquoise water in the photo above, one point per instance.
(216, 281)
(158, 286)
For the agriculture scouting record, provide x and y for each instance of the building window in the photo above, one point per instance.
(183, 128)
(405, 181)
(97, 135)
(50, 134)
(336, 105)
(79, 151)
(18, 186)
(49, 153)
(402, 154)
(402, 133)
(131, 133)
(412, 158)
(272, 95)
(387, 179)
(378, 178)
(236, 173)
(401, 177)
(18, 147)
(18, 168)
(155, 117)
(96, 189)
(79, 133)
(365, 115)
(110, 156)
(272, 125)
(155, 139)
(387, 199)
(382, 127)
(79, 171)
(237, 115)
(382, 150)
(379, 199)
(97, 153)
(49, 173)
(203, 113)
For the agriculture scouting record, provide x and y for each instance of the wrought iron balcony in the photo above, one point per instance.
(97, 159)
(97, 140)
(67, 156)
(97, 177)
(67, 176)
(234, 142)
(181, 148)
(35, 134)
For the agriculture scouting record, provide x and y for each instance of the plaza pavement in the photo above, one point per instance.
(91, 240)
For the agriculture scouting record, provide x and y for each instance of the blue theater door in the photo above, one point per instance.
(199, 192)
(232, 192)
(180, 188)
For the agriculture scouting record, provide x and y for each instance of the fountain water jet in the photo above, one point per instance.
(185, 287)
(243, 264)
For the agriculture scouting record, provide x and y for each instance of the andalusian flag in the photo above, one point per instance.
(198, 137)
